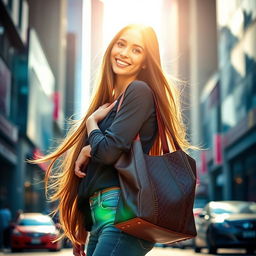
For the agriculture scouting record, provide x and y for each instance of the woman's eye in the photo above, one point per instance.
(120, 44)
(137, 50)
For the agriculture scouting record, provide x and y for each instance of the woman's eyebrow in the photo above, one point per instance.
(133, 44)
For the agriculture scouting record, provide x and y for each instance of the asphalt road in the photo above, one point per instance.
(154, 252)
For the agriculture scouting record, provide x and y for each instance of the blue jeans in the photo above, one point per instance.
(107, 240)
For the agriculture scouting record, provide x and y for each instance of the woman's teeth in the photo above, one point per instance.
(121, 63)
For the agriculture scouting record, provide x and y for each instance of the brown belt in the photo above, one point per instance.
(103, 191)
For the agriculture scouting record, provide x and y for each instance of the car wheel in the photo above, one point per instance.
(250, 251)
(16, 250)
(197, 249)
(54, 250)
(211, 248)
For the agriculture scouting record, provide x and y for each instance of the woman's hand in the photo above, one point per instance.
(102, 111)
(91, 124)
(82, 161)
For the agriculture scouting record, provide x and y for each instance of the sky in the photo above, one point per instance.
(119, 13)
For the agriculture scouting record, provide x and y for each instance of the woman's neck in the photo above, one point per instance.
(121, 83)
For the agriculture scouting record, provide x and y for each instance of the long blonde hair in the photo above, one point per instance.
(65, 183)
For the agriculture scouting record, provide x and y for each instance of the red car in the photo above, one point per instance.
(35, 231)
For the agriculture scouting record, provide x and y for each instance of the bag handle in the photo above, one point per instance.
(160, 124)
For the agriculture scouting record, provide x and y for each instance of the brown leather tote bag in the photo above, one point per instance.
(157, 192)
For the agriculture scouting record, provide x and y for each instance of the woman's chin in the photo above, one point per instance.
(120, 72)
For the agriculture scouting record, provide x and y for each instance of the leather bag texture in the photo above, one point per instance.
(157, 192)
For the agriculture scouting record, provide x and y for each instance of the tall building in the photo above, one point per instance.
(203, 64)
(96, 37)
(47, 83)
(74, 71)
(92, 43)
(33, 101)
(13, 99)
(49, 19)
(237, 64)
(216, 49)
(191, 55)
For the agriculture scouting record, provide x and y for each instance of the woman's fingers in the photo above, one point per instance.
(80, 164)
(78, 171)
(102, 111)
(105, 105)
(112, 104)
(80, 174)
(109, 105)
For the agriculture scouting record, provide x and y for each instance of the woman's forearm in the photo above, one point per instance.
(87, 151)
(91, 124)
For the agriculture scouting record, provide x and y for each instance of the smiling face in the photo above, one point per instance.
(128, 54)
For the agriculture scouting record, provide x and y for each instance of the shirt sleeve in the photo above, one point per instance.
(136, 108)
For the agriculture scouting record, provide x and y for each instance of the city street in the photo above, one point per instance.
(154, 252)
(83, 82)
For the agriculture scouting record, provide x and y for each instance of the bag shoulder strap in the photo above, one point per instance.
(160, 124)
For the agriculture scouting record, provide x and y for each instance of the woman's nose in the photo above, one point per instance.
(124, 52)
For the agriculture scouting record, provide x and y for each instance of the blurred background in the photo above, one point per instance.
(50, 52)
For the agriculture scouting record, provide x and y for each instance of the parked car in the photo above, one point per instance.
(35, 231)
(226, 224)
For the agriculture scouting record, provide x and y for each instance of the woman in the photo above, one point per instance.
(131, 66)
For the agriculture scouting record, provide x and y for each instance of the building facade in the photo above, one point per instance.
(13, 100)
(237, 95)
(215, 53)
(33, 101)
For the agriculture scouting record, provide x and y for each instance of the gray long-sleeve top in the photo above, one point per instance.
(116, 133)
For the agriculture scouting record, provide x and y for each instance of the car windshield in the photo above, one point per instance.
(42, 221)
(233, 208)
